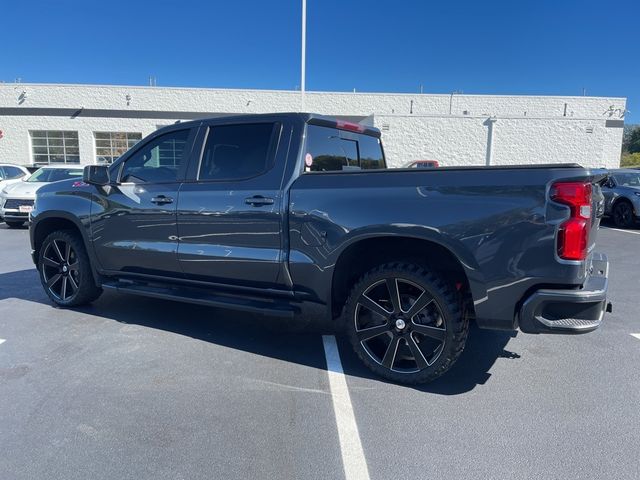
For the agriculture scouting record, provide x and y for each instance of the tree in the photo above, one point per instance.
(633, 141)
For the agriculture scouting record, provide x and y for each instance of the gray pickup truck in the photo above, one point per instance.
(296, 215)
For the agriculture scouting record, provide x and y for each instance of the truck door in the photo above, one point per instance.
(135, 229)
(230, 208)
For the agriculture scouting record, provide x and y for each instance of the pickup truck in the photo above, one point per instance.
(296, 215)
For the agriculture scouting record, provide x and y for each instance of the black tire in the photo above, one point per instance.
(623, 214)
(12, 224)
(65, 271)
(426, 316)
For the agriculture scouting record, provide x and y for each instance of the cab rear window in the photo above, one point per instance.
(330, 149)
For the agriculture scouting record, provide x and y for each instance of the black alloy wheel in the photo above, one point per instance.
(65, 271)
(623, 214)
(405, 324)
(60, 270)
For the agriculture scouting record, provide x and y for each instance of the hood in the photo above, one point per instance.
(23, 189)
(6, 183)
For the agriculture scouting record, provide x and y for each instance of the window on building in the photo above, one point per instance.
(55, 146)
(110, 145)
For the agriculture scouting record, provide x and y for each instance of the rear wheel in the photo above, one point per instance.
(623, 214)
(13, 224)
(65, 271)
(405, 323)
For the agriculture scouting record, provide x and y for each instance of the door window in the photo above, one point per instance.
(158, 161)
(234, 152)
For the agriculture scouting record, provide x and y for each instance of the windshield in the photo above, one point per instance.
(55, 174)
(628, 179)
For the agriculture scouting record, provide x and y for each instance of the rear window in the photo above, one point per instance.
(329, 149)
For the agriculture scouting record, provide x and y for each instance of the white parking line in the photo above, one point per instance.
(355, 465)
(2, 340)
(620, 230)
(637, 335)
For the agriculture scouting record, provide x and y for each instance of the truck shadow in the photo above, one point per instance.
(286, 340)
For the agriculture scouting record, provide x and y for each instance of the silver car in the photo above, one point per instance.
(622, 197)
(16, 199)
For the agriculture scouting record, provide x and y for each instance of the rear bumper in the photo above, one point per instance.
(569, 311)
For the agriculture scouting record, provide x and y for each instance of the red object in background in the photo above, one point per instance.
(423, 164)
(1, 133)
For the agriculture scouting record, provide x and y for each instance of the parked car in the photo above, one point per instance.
(422, 164)
(296, 215)
(622, 197)
(11, 173)
(16, 199)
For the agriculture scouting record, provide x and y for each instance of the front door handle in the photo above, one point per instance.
(161, 200)
(258, 201)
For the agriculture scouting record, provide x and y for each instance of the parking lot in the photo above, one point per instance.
(134, 388)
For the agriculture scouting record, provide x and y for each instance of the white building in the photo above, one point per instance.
(45, 123)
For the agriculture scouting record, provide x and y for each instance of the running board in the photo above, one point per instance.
(201, 297)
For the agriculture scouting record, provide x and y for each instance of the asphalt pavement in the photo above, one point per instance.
(134, 388)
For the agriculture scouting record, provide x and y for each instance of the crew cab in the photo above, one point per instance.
(296, 215)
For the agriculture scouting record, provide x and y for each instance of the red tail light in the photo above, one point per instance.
(573, 236)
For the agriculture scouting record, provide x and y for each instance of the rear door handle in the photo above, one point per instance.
(161, 200)
(258, 201)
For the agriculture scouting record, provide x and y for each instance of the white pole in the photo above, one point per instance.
(304, 54)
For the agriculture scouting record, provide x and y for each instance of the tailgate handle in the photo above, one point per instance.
(161, 200)
(258, 201)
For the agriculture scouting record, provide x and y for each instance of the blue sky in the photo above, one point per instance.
(493, 47)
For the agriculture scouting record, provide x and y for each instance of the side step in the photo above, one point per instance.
(202, 297)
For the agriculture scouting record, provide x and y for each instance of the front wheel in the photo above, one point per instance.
(623, 214)
(405, 323)
(65, 271)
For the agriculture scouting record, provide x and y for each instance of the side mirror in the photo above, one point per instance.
(96, 175)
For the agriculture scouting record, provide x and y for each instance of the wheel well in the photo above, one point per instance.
(48, 225)
(366, 254)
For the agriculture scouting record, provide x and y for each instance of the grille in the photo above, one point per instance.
(15, 203)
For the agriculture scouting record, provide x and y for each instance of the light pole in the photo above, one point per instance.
(304, 54)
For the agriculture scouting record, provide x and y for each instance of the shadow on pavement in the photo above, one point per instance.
(286, 340)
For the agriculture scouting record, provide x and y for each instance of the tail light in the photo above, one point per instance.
(353, 127)
(573, 235)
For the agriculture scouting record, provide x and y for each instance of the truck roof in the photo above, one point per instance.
(312, 118)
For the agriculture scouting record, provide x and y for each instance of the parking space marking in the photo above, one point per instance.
(637, 335)
(2, 340)
(353, 461)
(620, 230)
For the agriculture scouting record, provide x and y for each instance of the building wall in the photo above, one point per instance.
(453, 129)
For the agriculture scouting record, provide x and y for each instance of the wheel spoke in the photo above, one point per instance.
(73, 266)
(394, 293)
(67, 252)
(53, 280)
(423, 300)
(50, 263)
(375, 307)
(74, 285)
(421, 362)
(369, 333)
(57, 249)
(432, 332)
(390, 355)
(63, 291)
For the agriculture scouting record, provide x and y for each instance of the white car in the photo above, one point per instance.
(16, 199)
(11, 174)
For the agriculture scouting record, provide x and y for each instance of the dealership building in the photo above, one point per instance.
(49, 123)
